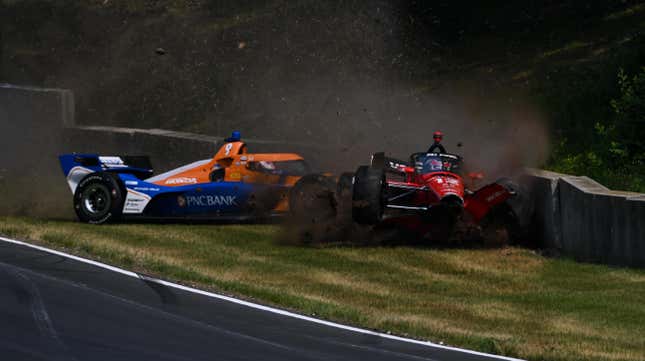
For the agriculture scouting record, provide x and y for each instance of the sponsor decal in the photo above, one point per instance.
(236, 175)
(131, 183)
(112, 162)
(181, 180)
(135, 202)
(209, 201)
(435, 164)
(243, 157)
(146, 189)
(181, 201)
(396, 165)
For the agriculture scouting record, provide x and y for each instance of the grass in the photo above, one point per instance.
(507, 301)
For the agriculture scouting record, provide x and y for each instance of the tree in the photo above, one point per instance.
(629, 110)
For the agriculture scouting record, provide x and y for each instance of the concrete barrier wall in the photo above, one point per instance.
(545, 225)
(31, 131)
(31, 118)
(584, 220)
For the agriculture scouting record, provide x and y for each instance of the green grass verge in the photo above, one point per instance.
(507, 301)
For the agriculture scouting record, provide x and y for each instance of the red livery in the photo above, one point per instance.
(427, 196)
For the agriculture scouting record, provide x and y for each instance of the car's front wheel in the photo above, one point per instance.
(98, 198)
(500, 227)
(369, 195)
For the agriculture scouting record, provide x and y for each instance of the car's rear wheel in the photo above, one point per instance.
(312, 198)
(98, 198)
(312, 208)
(344, 196)
(369, 195)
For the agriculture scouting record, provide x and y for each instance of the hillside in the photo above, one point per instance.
(352, 76)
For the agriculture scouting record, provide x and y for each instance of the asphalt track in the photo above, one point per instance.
(57, 307)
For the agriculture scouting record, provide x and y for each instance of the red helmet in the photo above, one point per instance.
(437, 136)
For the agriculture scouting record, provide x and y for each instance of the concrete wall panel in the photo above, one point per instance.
(545, 228)
(635, 231)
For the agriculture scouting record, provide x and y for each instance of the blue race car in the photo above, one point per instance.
(233, 185)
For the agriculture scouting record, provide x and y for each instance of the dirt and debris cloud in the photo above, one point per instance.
(342, 75)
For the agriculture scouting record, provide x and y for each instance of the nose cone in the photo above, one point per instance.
(447, 186)
(452, 201)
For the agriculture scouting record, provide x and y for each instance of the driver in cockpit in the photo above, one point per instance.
(437, 136)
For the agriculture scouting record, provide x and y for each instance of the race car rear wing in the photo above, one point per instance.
(77, 166)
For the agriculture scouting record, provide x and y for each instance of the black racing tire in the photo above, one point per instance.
(369, 195)
(99, 198)
(312, 199)
(500, 227)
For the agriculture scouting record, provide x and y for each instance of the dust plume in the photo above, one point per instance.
(31, 134)
(343, 76)
(496, 132)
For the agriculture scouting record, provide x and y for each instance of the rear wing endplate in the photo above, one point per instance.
(76, 166)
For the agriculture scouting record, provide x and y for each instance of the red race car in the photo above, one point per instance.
(427, 197)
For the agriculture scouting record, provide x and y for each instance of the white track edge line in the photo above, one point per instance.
(255, 305)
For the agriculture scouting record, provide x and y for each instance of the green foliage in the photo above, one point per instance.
(597, 116)
(629, 111)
